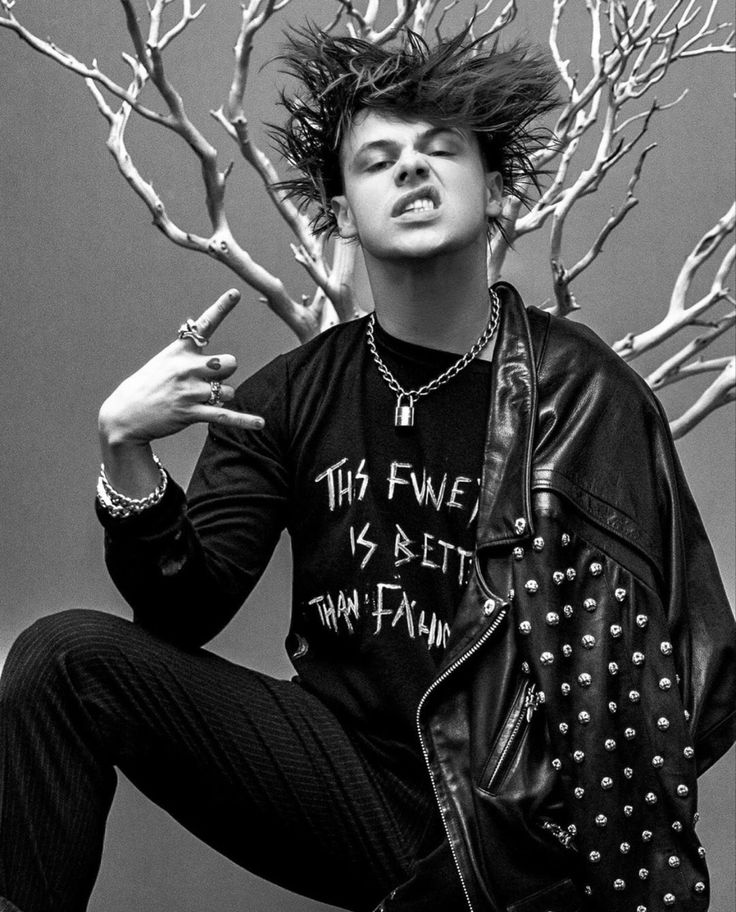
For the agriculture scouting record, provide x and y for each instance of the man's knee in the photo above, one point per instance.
(53, 647)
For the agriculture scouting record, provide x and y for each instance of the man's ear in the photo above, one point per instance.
(494, 194)
(344, 216)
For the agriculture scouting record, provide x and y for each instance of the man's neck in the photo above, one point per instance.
(438, 303)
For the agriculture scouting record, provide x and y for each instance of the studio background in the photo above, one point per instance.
(89, 290)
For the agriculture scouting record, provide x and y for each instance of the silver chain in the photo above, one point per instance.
(452, 371)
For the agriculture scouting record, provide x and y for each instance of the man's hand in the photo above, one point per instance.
(171, 391)
(167, 394)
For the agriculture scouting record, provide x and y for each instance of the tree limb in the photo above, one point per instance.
(69, 62)
(613, 221)
(632, 48)
(679, 315)
(362, 25)
(702, 251)
(116, 145)
(674, 369)
(719, 393)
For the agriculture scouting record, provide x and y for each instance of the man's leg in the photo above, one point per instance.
(256, 767)
(7, 906)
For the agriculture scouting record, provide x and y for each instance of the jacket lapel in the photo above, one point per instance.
(504, 512)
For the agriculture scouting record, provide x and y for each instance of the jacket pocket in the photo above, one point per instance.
(560, 897)
(511, 736)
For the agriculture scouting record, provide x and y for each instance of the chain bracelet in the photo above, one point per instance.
(120, 505)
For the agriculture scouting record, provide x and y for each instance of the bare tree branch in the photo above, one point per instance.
(309, 250)
(503, 18)
(675, 368)
(362, 25)
(719, 393)
(636, 55)
(69, 62)
(232, 117)
(679, 314)
(632, 49)
(131, 22)
(187, 17)
(614, 220)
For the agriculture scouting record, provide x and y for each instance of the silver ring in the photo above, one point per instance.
(188, 330)
(215, 394)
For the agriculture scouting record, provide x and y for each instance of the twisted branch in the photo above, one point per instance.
(362, 25)
(719, 393)
(675, 368)
(679, 315)
(221, 244)
(632, 49)
(309, 250)
(69, 62)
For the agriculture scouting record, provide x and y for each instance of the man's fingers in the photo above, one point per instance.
(241, 420)
(217, 367)
(201, 393)
(216, 313)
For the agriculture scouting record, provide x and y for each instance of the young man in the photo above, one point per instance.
(513, 651)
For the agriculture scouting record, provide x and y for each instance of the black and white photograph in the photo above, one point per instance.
(368, 465)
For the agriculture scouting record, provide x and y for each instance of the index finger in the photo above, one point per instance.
(208, 322)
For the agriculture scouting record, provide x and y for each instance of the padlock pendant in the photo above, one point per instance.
(404, 415)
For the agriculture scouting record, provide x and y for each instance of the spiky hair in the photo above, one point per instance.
(458, 82)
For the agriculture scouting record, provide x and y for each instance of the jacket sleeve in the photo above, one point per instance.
(606, 443)
(702, 626)
(186, 566)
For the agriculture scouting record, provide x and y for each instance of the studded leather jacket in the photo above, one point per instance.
(589, 677)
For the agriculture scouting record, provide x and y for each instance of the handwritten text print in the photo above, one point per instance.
(428, 550)
(388, 606)
(379, 546)
(345, 486)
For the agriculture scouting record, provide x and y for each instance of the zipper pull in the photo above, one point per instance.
(532, 701)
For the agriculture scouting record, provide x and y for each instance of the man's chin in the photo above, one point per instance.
(416, 249)
(414, 245)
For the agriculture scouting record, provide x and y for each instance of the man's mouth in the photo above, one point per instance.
(419, 205)
(423, 199)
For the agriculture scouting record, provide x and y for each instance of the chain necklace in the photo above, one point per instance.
(405, 399)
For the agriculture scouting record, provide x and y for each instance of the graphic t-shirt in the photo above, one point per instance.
(382, 520)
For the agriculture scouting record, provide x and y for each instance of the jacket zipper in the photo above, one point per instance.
(529, 703)
(445, 674)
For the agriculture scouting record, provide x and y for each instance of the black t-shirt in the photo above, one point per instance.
(382, 520)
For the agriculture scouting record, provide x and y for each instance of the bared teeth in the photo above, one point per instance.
(420, 205)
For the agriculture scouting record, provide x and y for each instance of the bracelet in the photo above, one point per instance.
(119, 505)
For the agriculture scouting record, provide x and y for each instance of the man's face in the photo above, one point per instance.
(413, 190)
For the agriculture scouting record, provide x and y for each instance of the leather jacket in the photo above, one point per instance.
(589, 676)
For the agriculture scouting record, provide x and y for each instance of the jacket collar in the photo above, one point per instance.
(504, 511)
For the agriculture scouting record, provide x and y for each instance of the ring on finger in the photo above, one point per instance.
(188, 330)
(215, 393)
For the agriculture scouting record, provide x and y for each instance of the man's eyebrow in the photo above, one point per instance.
(379, 144)
(453, 131)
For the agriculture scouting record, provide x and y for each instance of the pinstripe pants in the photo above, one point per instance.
(256, 767)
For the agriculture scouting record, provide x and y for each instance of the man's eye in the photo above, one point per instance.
(442, 152)
(379, 165)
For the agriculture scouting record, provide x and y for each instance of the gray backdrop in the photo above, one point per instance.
(89, 290)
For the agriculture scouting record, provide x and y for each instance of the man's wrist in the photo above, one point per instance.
(121, 506)
(130, 467)
(114, 433)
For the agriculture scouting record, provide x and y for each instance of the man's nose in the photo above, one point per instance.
(411, 166)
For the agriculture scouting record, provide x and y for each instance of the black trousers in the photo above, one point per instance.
(256, 767)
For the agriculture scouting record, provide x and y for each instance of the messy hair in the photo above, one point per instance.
(458, 82)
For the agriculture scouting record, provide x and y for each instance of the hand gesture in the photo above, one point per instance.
(179, 386)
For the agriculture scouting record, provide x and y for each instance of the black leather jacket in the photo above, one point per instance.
(589, 677)
(590, 672)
